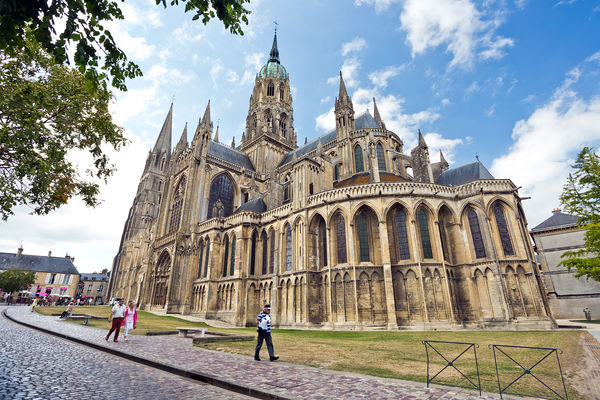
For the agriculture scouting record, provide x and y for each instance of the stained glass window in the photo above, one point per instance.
(503, 231)
(206, 257)
(288, 249)
(200, 263)
(253, 254)
(358, 159)
(380, 157)
(424, 231)
(177, 205)
(272, 261)
(220, 200)
(363, 236)
(265, 252)
(336, 172)
(341, 239)
(402, 236)
(476, 234)
(232, 257)
(225, 255)
(442, 230)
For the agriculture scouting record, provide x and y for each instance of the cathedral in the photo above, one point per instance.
(345, 232)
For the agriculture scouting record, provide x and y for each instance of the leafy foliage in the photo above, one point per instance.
(46, 111)
(23, 20)
(16, 279)
(581, 197)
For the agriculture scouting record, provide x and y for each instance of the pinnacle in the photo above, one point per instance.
(206, 118)
(164, 138)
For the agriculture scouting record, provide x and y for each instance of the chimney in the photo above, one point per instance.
(20, 251)
(49, 253)
(555, 210)
(67, 255)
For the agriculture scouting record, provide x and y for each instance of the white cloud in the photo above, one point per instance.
(465, 31)
(326, 121)
(325, 99)
(380, 78)
(349, 69)
(355, 45)
(380, 5)
(490, 112)
(436, 143)
(189, 32)
(546, 143)
(252, 64)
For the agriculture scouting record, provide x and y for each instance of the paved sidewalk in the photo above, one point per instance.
(274, 379)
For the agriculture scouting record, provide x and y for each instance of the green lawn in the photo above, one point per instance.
(594, 321)
(399, 354)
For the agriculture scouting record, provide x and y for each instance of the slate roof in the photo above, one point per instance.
(365, 120)
(557, 220)
(464, 174)
(58, 265)
(255, 205)
(310, 146)
(94, 277)
(230, 154)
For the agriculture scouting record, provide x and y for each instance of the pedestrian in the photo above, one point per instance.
(264, 333)
(130, 320)
(116, 316)
(35, 303)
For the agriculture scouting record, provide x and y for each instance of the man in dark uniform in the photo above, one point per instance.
(264, 333)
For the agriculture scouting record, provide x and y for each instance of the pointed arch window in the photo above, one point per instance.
(380, 157)
(270, 89)
(336, 172)
(206, 257)
(281, 93)
(177, 206)
(311, 188)
(253, 254)
(265, 252)
(476, 234)
(225, 255)
(201, 259)
(232, 257)
(288, 248)
(220, 200)
(503, 231)
(358, 159)
(272, 260)
(424, 232)
(340, 233)
(286, 189)
(401, 235)
(363, 236)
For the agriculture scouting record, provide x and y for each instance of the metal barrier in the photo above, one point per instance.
(428, 344)
(527, 371)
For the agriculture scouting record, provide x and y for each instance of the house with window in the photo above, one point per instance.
(56, 276)
(93, 287)
(345, 232)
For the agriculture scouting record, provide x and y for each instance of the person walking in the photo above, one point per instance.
(264, 333)
(130, 319)
(35, 303)
(116, 316)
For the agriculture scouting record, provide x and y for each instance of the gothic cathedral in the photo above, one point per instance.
(344, 232)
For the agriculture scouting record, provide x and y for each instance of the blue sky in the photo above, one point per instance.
(515, 82)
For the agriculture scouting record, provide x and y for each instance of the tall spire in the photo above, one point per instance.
(216, 139)
(376, 115)
(182, 144)
(343, 93)
(164, 139)
(274, 55)
(422, 140)
(206, 118)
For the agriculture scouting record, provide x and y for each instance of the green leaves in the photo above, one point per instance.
(46, 111)
(15, 279)
(97, 55)
(581, 197)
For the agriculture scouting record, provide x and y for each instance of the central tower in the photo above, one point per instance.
(269, 133)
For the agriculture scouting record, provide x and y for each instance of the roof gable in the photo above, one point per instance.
(230, 154)
(365, 121)
(256, 205)
(464, 174)
(557, 220)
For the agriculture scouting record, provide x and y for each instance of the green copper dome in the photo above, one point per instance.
(273, 70)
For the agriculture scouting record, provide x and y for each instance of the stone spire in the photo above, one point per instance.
(233, 142)
(206, 118)
(422, 140)
(164, 139)
(376, 115)
(442, 159)
(183, 143)
(343, 95)
(274, 54)
(216, 138)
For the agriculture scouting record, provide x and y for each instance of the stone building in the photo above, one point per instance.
(567, 295)
(93, 286)
(56, 276)
(344, 232)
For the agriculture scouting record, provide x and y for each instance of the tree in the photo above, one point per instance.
(46, 111)
(16, 279)
(22, 20)
(581, 197)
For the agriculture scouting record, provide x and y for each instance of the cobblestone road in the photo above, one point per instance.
(34, 365)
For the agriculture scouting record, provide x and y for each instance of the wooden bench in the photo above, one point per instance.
(84, 318)
(185, 331)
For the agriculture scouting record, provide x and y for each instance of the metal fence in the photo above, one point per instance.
(430, 345)
(527, 371)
